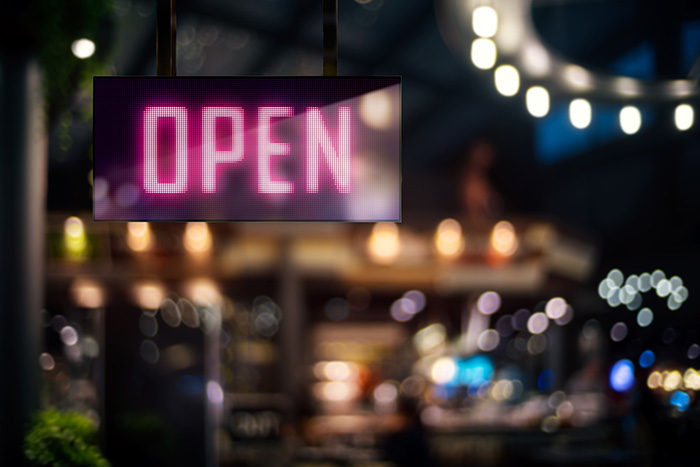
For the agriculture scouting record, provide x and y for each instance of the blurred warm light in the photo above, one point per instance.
(197, 237)
(384, 243)
(149, 295)
(627, 86)
(443, 370)
(681, 87)
(74, 238)
(449, 240)
(507, 80)
(691, 379)
(654, 380)
(73, 227)
(485, 21)
(577, 77)
(684, 117)
(535, 59)
(83, 48)
(430, 339)
(671, 380)
(139, 236)
(376, 109)
(580, 113)
(386, 392)
(503, 239)
(87, 293)
(630, 119)
(537, 101)
(483, 53)
(337, 371)
(203, 292)
(335, 391)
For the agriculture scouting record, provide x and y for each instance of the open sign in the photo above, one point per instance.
(318, 143)
(311, 149)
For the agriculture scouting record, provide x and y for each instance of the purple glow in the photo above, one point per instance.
(253, 149)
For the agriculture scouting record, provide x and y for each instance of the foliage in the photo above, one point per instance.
(57, 24)
(63, 439)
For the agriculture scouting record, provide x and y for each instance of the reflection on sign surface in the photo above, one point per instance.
(216, 149)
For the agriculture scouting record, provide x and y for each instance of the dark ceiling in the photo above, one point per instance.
(625, 193)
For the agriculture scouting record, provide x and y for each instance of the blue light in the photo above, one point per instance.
(647, 359)
(622, 376)
(474, 371)
(637, 63)
(545, 380)
(680, 400)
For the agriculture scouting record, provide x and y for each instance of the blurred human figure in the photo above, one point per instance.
(482, 200)
(408, 446)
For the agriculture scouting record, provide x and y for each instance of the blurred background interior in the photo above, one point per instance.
(536, 305)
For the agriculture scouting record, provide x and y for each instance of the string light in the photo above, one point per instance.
(483, 54)
(580, 113)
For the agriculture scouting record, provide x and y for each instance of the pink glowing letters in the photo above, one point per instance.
(320, 146)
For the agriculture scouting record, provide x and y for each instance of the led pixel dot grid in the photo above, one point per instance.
(247, 149)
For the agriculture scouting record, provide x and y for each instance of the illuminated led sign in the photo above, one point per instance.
(248, 149)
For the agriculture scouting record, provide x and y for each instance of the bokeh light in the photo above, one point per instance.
(503, 239)
(488, 303)
(443, 370)
(484, 21)
(647, 359)
(483, 53)
(580, 113)
(384, 242)
(537, 323)
(537, 101)
(507, 80)
(630, 119)
(684, 117)
(83, 48)
(621, 376)
(449, 241)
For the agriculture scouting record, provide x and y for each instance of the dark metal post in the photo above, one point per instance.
(330, 37)
(292, 338)
(166, 38)
(23, 168)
